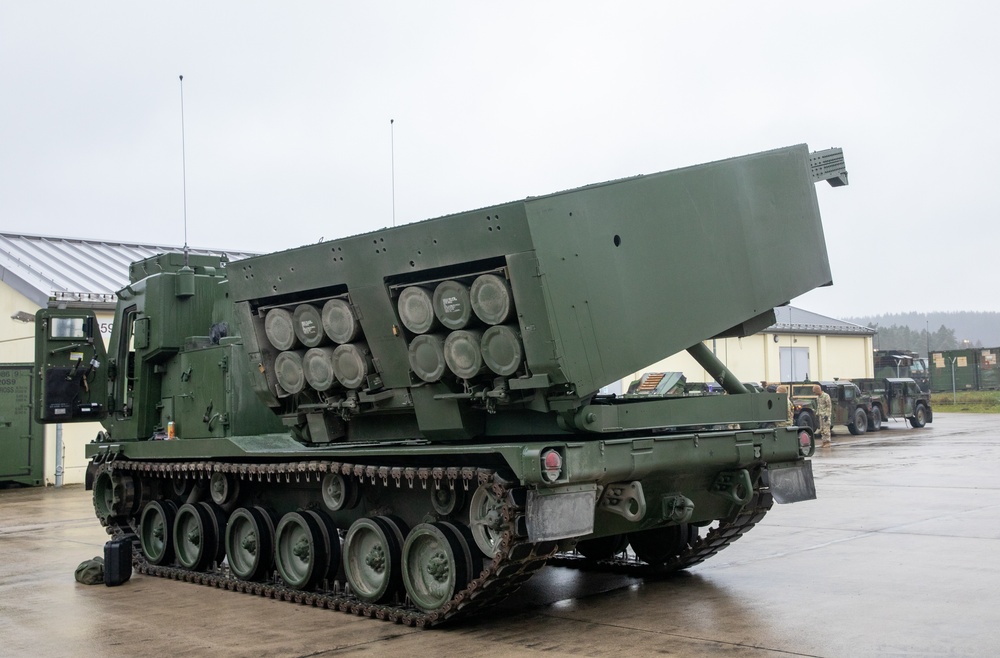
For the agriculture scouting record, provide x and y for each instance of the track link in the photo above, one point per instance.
(702, 548)
(515, 561)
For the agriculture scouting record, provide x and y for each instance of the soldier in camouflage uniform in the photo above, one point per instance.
(791, 409)
(824, 409)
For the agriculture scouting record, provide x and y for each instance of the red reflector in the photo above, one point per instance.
(553, 462)
(804, 439)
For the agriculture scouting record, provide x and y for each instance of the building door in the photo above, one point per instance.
(794, 363)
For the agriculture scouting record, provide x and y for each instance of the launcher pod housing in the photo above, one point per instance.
(408, 423)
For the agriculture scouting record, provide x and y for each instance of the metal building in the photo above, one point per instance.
(37, 271)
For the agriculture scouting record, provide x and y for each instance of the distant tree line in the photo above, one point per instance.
(896, 337)
(965, 328)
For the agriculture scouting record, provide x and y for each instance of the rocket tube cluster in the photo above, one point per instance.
(320, 347)
(449, 333)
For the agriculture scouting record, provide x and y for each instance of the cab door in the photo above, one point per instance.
(71, 383)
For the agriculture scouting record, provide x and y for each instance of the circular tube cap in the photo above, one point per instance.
(340, 322)
(452, 305)
(427, 357)
(308, 325)
(318, 367)
(416, 310)
(279, 327)
(491, 298)
(502, 349)
(352, 364)
(463, 354)
(288, 371)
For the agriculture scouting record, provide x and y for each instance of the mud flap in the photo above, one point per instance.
(560, 514)
(791, 483)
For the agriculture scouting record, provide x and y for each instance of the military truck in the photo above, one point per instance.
(897, 397)
(849, 405)
(407, 424)
(902, 363)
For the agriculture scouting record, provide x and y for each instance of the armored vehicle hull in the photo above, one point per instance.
(406, 424)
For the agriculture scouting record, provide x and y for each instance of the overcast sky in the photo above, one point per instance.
(287, 110)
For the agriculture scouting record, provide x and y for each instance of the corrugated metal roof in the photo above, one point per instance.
(792, 320)
(40, 267)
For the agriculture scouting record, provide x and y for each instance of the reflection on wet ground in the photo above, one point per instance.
(896, 556)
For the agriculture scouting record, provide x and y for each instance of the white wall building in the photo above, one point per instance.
(800, 346)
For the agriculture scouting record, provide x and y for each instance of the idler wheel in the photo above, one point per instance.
(156, 528)
(300, 550)
(436, 565)
(657, 545)
(372, 558)
(486, 521)
(195, 540)
(250, 543)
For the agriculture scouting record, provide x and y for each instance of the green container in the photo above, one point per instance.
(988, 360)
(954, 370)
(22, 440)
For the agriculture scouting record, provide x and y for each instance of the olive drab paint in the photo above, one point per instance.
(432, 390)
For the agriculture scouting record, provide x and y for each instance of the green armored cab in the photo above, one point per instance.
(407, 423)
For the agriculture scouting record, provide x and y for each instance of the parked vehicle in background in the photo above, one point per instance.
(965, 370)
(850, 406)
(902, 363)
(896, 397)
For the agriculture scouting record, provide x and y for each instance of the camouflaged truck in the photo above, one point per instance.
(851, 407)
(896, 397)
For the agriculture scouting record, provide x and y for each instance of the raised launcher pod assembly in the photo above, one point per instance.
(435, 492)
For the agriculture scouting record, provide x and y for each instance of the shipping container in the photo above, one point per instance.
(974, 370)
(22, 440)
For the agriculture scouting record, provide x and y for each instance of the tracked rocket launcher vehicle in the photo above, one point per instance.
(407, 424)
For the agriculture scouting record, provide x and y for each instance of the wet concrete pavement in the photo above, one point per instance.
(896, 557)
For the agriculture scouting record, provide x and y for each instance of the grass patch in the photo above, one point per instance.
(978, 402)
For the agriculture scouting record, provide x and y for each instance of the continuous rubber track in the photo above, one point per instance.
(702, 548)
(515, 561)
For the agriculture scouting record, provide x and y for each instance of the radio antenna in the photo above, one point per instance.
(184, 175)
(392, 153)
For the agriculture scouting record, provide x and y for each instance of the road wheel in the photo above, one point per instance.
(435, 565)
(301, 550)
(860, 422)
(656, 546)
(156, 527)
(373, 559)
(919, 417)
(250, 543)
(195, 541)
(602, 548)
(807, 419)
(875, 420)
